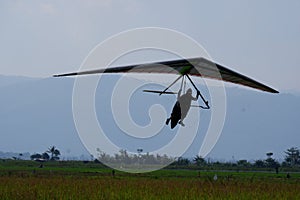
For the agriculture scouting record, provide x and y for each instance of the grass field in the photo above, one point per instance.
(75, 180)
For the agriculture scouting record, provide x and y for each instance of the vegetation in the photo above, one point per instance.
(21, 179)
(195, 178)
(292, 156)
(291, 163)
(54, 155)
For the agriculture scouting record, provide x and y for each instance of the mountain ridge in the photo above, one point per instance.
(37, 113)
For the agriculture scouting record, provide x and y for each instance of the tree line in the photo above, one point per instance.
(291, 159)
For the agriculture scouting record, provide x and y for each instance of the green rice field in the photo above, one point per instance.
(75, 180)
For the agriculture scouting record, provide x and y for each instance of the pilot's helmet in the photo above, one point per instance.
(189, 91)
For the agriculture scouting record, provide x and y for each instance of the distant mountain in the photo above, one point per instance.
(13, 155)
(258, 123)
(37, 113)
(11, 80)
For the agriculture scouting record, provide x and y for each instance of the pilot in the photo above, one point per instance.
(183, 105)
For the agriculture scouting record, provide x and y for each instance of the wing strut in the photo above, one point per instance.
(171, 84)
(198, 93)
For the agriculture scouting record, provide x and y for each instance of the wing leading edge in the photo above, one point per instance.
(194, 66)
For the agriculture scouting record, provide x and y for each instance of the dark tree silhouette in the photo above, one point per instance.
(259, 163)
(35, 156)
(54, 153)
(199, 161)
(292, 156)
(183, 161)
(45, 156)
(243, 163)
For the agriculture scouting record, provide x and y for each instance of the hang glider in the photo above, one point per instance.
(199, 66)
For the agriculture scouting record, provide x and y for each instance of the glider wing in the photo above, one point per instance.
(194, 66)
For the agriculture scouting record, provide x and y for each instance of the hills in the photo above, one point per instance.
(37, 113)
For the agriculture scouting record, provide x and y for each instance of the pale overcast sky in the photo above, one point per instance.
(257, 38)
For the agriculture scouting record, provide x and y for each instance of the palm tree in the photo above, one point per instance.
(45, 156)
(54, 153)
(198, 160)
